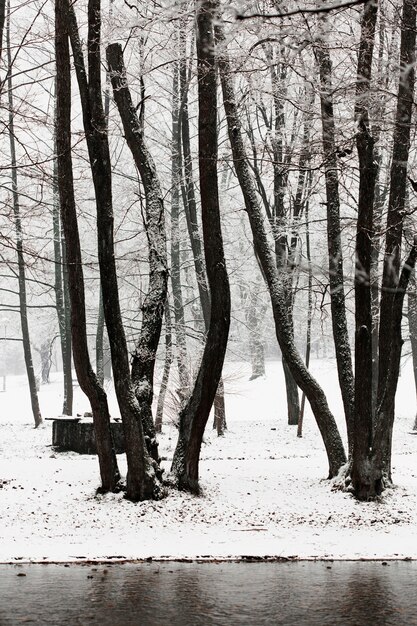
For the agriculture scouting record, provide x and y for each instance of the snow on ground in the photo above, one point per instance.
(265, 492)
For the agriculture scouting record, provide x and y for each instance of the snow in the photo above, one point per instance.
(265, 492)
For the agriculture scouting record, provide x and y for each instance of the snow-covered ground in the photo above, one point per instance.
(265, 492)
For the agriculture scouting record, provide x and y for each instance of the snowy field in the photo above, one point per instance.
(265, 492)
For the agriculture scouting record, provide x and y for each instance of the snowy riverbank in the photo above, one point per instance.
(264, 489)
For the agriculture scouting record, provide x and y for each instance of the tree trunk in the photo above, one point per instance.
(190, 206)
(19, 242)
(412, 325)
(2, 18)
(167, 367)
(62, 301)
(88, 381)
(336, 277)
(325, 420)
(309, 317)
(181, 344)
(143, 360)
(254, 315)
(390, 316)
(368, 170)
(278, 78)
(194, 416)
(100, 340)
(142, 483)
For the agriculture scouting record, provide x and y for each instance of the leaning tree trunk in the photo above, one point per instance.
(194, 416)
(142, 482)
(368, 169)
(87, 379)
(143, 359)
(19, 243)
(390, 318)
(325, 420)
(334, 242)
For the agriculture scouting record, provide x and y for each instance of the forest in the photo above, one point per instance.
(186, 185)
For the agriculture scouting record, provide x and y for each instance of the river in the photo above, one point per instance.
(190, 594)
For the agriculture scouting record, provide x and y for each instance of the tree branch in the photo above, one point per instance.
(326, 8)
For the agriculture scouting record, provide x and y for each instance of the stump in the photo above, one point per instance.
(78, 435)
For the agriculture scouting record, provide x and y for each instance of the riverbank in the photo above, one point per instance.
(265, 493)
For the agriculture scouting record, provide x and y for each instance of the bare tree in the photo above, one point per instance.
(325, 420)
(143, 359)
(24, 322)
(194, 416)
(142, 482)
(86, 377)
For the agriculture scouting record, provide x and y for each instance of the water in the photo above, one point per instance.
(190, 594)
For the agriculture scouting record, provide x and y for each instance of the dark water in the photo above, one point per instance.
(189, 594)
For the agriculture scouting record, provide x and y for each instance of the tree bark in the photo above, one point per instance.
(325, 420)
(194, 416)
(87, 379)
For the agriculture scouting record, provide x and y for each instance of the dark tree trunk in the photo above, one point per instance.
(88, 381)
(325, 420)
(194, 416)
(390, 316)
(412, 326)
(67, 365)
(190, 205)
(336, 277)
(142, 483)
(368, 170)
(143, 360)
(100, 340)
(19, 243)
(385, 415)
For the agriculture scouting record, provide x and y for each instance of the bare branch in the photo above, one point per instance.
(325, 8)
